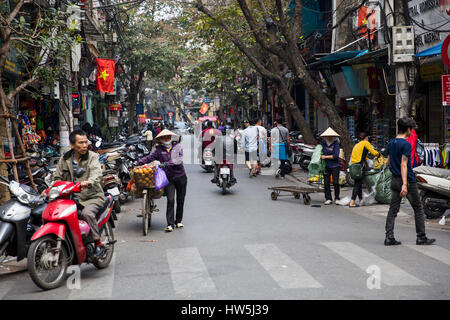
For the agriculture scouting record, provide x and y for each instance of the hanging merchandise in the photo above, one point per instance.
(30, 137)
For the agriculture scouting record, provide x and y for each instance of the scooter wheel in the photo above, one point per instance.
(274, 196)
(106, 236)
(39, 249)
(431, 212)
(117, 208)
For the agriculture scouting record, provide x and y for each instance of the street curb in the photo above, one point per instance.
(13, 266)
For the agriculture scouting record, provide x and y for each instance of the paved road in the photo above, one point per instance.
(245, 246)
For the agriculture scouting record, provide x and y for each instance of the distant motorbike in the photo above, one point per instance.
(20, 217)
(434, 184)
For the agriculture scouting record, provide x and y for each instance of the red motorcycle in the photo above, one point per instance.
(63, 238)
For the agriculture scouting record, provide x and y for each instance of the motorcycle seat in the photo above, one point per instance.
(108, 201)
(37, 211)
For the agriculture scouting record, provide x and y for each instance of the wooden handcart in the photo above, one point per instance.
(296, 191)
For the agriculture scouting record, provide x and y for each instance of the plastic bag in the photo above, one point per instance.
(368, 198)
(160, 179)
(344, 201)
(317, 165)
(383, 188)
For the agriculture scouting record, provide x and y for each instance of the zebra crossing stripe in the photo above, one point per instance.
(391, 275)
(435, 252)
(188, 271)
(100, 286)
(285, 271)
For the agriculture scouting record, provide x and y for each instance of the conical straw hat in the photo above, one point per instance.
(329, 133)
(164, 133)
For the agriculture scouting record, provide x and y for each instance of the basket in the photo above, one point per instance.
(144, 180)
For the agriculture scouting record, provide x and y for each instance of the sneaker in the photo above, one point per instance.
(168, 229)
(328, 202)
(391, 242)
(180, 225)
(424, 241)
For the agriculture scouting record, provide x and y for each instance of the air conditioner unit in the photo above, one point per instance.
(402, 44)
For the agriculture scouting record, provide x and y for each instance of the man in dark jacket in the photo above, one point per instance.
(170, 154)
(331, 149)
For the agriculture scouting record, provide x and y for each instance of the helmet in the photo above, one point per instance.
(148, 121)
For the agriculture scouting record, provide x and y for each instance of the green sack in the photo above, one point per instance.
(370, 179)
(317, 165)
(356, 171)
(383, 192)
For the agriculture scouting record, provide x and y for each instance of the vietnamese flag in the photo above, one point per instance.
(204, 108)
(105, 75)
(362, 21)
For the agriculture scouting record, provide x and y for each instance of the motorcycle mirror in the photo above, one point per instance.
(79, 172)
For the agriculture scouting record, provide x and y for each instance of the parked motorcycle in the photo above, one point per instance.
(434, 184)
(20, 217)
(63, 238)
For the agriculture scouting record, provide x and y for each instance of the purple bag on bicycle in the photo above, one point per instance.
(160, 179)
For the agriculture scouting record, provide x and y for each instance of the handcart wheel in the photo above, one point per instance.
(306, 199)
(274, 195)
(297, 195)
(150, 211)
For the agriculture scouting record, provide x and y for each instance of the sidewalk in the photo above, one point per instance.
(405, 215)
(12, 266)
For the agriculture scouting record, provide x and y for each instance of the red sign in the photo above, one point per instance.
(446, 90)
(115, 107)
(444, 51)
(141, 118)
(170, 114)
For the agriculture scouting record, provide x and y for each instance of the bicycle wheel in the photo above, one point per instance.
(145, 214)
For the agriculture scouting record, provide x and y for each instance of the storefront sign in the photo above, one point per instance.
(431, 71)
(115, 107)
(432, 14)
(170, 114)
(446, 90)
(141, 118)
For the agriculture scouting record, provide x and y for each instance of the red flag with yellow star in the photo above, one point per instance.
(363, 21)
(105, 75)
(204, 108)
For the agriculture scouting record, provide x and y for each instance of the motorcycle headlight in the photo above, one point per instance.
(24, 198)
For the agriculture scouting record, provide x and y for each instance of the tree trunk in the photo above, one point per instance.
(4, 191)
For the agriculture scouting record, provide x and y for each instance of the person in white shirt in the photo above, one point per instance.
(279, 136)
(262, 144)
(250, 145)
(148, 134)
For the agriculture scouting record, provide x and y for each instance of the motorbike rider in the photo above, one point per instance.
(92, 198)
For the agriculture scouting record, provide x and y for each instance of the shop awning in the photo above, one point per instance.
(366, 56)
(335, 56)
(432, 51)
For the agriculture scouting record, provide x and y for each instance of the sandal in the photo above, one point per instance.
(355, 206)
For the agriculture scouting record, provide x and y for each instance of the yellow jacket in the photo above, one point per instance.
(358, 149)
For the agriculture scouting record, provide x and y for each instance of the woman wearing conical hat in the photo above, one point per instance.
(331, 148)
(170, 154)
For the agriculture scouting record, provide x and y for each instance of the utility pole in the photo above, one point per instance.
(401, 78)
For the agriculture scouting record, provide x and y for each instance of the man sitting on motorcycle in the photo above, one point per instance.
(92, 198)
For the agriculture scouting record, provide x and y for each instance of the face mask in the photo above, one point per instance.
(167, 144)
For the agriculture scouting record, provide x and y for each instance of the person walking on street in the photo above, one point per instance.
(148, 134)
(170, 154)
(404, 184)
(250, 144)
(262, 143)
(279, 136)
(359, 155)
(331, 149)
